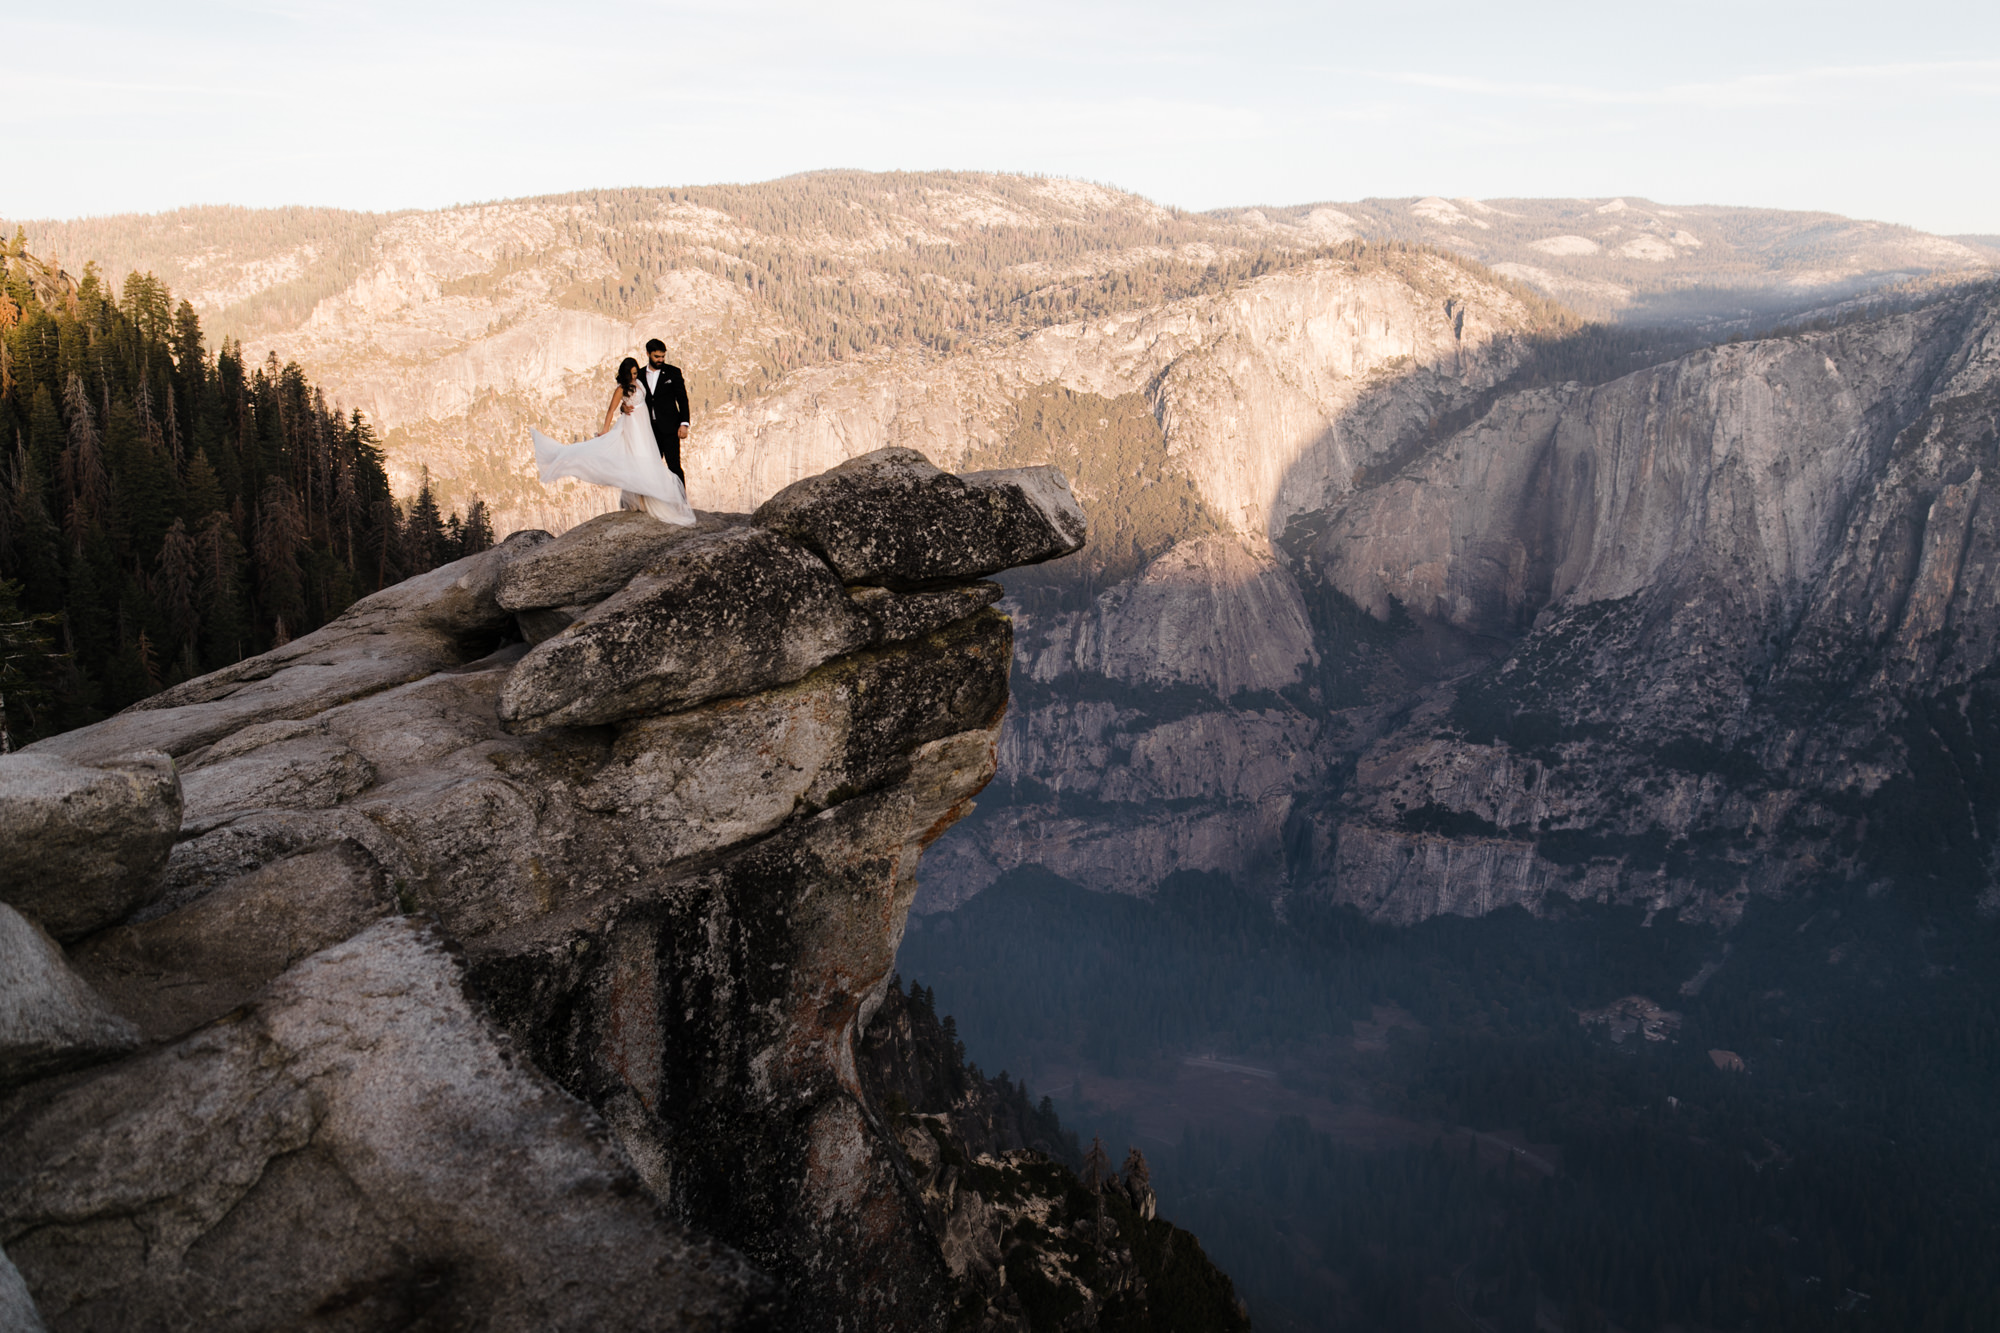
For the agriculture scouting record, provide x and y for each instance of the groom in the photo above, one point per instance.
(666, 404)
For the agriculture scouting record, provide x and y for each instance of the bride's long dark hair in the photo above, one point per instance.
(628, 373)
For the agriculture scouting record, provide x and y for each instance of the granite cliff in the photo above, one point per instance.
(1726, 628)
(496, 955)
(1709, 629)
(1327, 496)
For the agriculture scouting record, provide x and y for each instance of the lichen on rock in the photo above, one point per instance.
(891, 517)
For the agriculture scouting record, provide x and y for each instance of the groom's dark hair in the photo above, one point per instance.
(655, 345)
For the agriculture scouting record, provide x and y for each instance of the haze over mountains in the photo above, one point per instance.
(456, 330)
(1412, 596)
(1333, 478)
(1336, 472)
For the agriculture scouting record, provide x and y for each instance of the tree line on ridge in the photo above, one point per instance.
(165, 509)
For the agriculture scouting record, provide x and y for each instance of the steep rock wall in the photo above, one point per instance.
(1270, 395)
(1742, 584)
(468, 1004)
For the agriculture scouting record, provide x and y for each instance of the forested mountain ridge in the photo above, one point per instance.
(1409, 594)
(1719, 268)
(456, 329)
(165, 511)
(1212, 380)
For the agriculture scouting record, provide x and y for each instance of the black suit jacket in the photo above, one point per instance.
(667, 406)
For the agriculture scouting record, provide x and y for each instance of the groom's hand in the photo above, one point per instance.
(627, 408)
(684, 430)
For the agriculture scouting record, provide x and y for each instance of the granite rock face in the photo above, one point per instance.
(50, 1018)
(1717, 628)
(891, 517)
(82, 846)
(359, 1140)
(1737, 616)
(482, 971)
(998, 1179)
(727, 613)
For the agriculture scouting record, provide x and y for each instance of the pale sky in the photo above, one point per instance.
(1888, 111)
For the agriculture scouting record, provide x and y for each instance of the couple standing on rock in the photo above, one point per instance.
(639, 454)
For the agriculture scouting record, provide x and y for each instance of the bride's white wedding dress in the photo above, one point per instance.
(625, 457)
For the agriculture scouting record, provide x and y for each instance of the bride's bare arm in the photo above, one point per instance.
(611, 412)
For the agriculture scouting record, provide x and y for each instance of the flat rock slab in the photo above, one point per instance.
(432, 622)
(723, 613)
(203, 960)
(596, 558)
(82, 846)
(358, 1142)
(50, 1018)
(892, 517)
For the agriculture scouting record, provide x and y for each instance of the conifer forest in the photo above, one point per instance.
(167, 509)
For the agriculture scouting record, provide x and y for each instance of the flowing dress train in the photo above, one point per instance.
(625, 457)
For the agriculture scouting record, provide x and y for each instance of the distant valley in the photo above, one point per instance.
(1496, 611)
(1410, 587)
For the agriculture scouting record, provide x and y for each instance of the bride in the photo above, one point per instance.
(624, 456)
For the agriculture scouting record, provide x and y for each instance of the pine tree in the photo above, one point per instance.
(478, 535)
(175, 581)
(86, 485)
(280, 581)
(1097, 1170)
(177, 511)
(28, 658)
(423, 532)
(224, 618)
(202, 495)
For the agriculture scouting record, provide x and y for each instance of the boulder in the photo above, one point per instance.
(596, 558)
(892, 517)
(675, 842)
(50, 1018)
(723, 613)
(733, 770)
(357, 1150)
(83, 846)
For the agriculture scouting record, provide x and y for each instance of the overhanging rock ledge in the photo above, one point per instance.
(508, 963)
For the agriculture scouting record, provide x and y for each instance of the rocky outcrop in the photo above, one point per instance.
(734, 612)
(1020, 1231)
(83, 845)
(360, 1144)
(482, 971)
(890, 517)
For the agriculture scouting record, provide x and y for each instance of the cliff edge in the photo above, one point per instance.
(496, 955)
